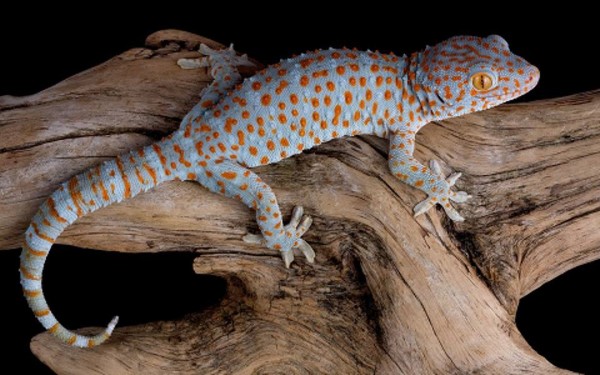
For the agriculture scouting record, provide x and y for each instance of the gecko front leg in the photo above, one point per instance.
(430, 180)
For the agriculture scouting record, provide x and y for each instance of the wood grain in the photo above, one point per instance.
(388, 294)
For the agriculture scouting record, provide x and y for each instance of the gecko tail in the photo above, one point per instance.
(108, 183)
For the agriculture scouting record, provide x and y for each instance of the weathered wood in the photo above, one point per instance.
(388, 293)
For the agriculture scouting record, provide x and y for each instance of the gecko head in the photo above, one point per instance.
(466, 74)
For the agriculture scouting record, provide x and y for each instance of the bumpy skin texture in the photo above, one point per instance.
(281, 111)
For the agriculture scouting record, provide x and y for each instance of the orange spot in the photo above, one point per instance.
(245, 115)
(330, 85)
(306, 63)
(348, 97)
(300, 147)
(354, 67)
(352, 81)
(369, 95)
(256, 86)
(253, 151)
(284, 142)
(304, 80)
(265, 100)
(340, 70)
(270, 145)
(323, 124)
(240, 135)
(327, 100)
(374, 109)
(181, 153)
(244, 187)
(229, 124)
(388, 95)
(264, 160)
(229, 175)
(419, 183)
(379, 81)
(414, 168)
(315, 102)
(282, 118)
(191, 176)
(362, 81)
(374, 68)
(221, 147)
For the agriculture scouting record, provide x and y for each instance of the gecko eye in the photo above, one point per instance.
(482, 81)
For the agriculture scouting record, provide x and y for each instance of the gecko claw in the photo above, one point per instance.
(288, 257)
(254, 239)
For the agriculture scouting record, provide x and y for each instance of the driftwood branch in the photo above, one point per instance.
(388, 293)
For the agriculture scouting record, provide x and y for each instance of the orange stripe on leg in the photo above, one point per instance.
(72, 340)
(54, 328)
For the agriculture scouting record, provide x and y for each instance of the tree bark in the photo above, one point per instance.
(388, 293)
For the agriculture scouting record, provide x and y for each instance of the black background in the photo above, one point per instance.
(40, 47)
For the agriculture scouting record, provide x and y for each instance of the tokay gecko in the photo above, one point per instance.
(282, 110)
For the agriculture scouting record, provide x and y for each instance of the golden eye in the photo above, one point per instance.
(482, 81)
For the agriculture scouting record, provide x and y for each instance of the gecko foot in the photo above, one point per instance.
(209, 55)
(293, 231)
(443, 199)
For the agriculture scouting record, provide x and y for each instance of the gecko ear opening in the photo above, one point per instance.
(498, 39)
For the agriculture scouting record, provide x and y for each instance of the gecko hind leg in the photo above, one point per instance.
(209, 55)
(232, 180)
(299, 223)
(458, 196)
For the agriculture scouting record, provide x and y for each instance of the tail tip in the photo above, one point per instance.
(112, 325)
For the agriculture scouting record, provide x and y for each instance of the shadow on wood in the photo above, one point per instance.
(387, 294)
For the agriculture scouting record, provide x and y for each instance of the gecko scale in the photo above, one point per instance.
(282, 110)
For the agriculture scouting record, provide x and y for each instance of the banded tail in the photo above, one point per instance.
(114, 180)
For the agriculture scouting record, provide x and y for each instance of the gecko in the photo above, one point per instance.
(282, 110)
